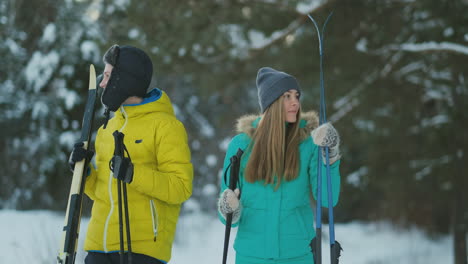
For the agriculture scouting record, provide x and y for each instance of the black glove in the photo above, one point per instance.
(122, 168)
(78, 154)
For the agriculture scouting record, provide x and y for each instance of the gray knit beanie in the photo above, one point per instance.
(271, 84)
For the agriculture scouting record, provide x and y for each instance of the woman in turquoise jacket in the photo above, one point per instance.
(274, 215)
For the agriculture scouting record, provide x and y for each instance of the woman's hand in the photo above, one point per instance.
(326, 136)
(229, 203)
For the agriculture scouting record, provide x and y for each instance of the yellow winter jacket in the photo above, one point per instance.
(162, 180)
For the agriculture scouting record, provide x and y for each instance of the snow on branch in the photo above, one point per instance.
(303, 7)
(248, 44)
(434, 46)
(260, 42)
(310, 6)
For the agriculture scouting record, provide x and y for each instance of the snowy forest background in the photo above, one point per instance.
(395, 76)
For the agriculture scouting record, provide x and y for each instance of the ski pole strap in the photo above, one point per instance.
(225, 174)
(234, 181)
(234, 176)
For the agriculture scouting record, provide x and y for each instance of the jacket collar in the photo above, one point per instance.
(248, 123)
(155, 101)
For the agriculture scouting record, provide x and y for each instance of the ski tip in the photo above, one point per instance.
(92, 77)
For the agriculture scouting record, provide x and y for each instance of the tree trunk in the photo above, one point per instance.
(460, 221)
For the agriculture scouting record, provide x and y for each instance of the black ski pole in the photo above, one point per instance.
(122, 188)
(69, 243)
(127, 224)
(118, 154)
(123, 171)
(119, 195)
(233, 179)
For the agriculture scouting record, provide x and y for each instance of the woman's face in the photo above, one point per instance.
(291, 105)
(106, 75)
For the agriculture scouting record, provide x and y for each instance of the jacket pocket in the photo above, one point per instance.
(154, 219)
(305, 221)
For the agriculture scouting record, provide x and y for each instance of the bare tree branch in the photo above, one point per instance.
(292, 27)
(432, 46)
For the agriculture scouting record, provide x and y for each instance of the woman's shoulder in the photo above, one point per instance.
(309, 121)
(240, 140)
(246, 124)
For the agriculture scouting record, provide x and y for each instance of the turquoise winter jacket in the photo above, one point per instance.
(279, 224)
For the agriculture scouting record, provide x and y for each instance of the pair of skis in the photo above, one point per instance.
(69, 244)
(335, 247)
(121, 167)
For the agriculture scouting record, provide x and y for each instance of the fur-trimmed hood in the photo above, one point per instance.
(309, 121)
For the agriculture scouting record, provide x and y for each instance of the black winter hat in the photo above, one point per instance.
(131, 75)
(271, 84)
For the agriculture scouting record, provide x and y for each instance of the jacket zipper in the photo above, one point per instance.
(106, 225)
(154, 219)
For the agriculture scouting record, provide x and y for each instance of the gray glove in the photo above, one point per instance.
(229, 203)
(326, 136)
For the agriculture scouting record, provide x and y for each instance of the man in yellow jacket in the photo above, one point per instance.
(162, 172)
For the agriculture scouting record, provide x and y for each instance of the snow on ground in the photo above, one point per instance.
(33, 237)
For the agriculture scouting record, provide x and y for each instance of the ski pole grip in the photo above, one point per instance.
(232, 176)
(235, 164)
(118, 141)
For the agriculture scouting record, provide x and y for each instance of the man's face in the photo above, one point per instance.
(106, 75)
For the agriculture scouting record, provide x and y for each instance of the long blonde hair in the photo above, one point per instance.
(275, 148)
